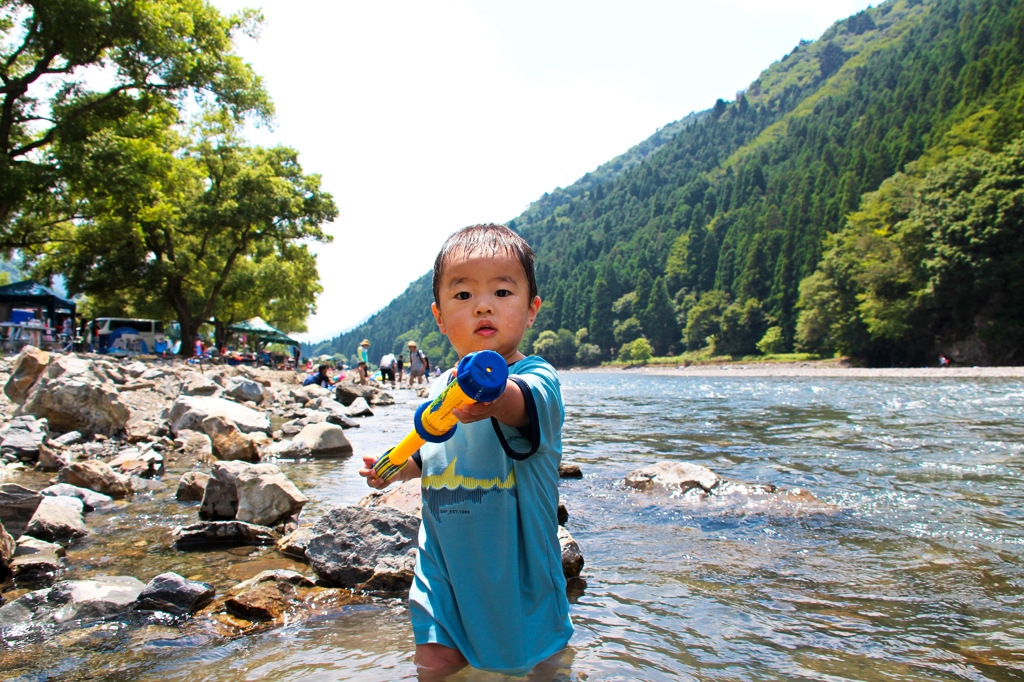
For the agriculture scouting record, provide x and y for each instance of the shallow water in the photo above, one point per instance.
(916, 575)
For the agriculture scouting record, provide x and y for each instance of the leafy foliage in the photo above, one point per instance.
(146, 55)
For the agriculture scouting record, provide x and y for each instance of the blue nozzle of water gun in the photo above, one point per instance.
(482, 375)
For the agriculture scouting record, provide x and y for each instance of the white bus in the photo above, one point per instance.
(126, 335)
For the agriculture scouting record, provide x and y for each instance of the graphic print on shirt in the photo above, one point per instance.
(446, 490)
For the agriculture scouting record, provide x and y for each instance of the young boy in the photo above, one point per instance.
(489, 589)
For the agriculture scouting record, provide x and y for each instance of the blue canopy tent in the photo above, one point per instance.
(29, 294)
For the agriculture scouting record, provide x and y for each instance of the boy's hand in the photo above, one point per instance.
(372, 479)
(509, 408)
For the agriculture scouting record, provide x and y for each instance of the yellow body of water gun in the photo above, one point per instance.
(479, 378)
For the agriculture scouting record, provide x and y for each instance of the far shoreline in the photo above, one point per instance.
(807, 368)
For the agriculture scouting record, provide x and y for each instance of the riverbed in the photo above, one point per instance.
(915, 571)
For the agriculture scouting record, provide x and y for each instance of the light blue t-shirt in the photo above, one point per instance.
(489, 578)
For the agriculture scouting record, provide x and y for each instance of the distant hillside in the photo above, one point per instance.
(714, 234)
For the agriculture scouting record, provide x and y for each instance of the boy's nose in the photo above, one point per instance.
(483, 305)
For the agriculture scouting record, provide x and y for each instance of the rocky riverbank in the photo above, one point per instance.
(91, 449)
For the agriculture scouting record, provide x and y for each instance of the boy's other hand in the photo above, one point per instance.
(372, 479)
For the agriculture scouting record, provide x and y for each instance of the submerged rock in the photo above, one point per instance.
(70, 602)
(58, 519)
(171, 593)
(362, 548)
(696, 484)
(90, 498)
(209, 534)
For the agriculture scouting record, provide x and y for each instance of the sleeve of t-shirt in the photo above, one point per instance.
(541, 393)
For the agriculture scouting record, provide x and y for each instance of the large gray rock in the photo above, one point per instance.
(72, 601)
(673, 476)
(58, 519)
(220, 499)
(73, 395)
(188, 412)
(209, 534)
(24, 438)
(406, 496)
(572, 555)
(243, 389)
(28, 367)
(359, 408)
(144, 462)
(324, 440)
(346, 392)
(227, 440)
(171, 593)
(192, 486)
(266, 497)
(36, 562)
(7, 549)
(365, 549)
(98, 476)
(199, 385)
(17, 505)
(286, 449)
(90, 498)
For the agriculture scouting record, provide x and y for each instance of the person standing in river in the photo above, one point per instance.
(363, 357)
(419, 365)
(488, 589)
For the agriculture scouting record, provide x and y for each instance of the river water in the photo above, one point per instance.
(916, 574)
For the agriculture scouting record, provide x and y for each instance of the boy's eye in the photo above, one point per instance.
(462, 295)
(502, 293)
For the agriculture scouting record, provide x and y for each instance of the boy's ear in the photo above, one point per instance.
(534, 308)
(437, 317)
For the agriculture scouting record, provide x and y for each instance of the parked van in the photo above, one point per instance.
(126, 335)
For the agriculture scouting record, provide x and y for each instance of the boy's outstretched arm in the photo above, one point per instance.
(408, 471)
(509, 408)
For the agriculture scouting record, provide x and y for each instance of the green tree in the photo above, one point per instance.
(174, 224)
(601, 317)
(703, 320)
(742, 325)
(636, 351)
(659, 319)
(147, 54)
(628, 330)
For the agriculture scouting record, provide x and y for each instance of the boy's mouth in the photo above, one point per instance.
(485, 330)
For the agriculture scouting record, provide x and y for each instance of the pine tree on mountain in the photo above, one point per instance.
(601, 318)
(659, 319)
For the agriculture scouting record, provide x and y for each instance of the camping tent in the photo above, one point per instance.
(29, 294)
(262, 331)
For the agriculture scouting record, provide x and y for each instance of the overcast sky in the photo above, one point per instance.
(424, 117)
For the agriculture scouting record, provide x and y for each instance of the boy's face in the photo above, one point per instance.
(485, 304)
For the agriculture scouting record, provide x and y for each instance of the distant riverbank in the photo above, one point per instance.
(807, 368)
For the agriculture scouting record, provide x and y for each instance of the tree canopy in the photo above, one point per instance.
(70, 68)
(194, 225)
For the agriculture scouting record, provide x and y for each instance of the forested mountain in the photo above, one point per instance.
(865, 195)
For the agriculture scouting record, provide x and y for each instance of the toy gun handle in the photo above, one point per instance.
(479, 378)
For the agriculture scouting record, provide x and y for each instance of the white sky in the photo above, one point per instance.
(424, 117)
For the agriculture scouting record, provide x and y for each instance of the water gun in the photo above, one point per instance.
(479, 378)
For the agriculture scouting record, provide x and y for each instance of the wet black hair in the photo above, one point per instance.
(488, 238)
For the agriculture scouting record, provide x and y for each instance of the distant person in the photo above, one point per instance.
(388, 367)
(419, 364)
(363, 360)
(401, 367)
(320, 378)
